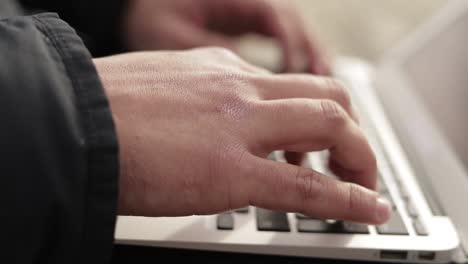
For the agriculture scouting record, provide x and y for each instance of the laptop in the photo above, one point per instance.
(412, 106)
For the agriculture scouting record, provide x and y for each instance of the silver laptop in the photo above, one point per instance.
(413, 108)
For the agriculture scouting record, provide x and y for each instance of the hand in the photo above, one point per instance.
(195, 129)
(182, 24)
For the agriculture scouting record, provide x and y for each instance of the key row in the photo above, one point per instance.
(268, 220)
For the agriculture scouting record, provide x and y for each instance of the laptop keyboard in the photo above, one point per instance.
(268, 220)
(274, 221)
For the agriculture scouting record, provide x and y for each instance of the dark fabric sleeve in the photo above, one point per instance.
(58, 147)
(98, 22)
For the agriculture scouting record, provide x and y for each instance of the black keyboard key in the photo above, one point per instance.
(225, 221)
(399, 182)
(355, 228)
(395, 226)
(323, 157)
(268, 220)
(320, 226)
(404, 194)
(420, 228)
(243, 210)
(411, 209)
(272, 156)
(296, 158)
(312, 226)
(381, 186)
(306, 162)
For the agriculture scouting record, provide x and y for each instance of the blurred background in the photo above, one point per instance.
(363, 28)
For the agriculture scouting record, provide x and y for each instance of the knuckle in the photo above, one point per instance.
(310, 186)
(260, 81)
(338, 92)
(223, 52)
(235, 106)
(333, 114)
(237, 98)
(355, 197)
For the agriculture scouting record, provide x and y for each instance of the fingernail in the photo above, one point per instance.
(383, 211)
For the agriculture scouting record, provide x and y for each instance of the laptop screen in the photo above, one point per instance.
(438, 72)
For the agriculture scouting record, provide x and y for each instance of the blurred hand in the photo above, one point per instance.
(195, 129)
(182, 24)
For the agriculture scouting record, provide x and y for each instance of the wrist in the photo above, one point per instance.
(110, 74)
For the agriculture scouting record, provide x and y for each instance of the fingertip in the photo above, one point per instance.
(383, 211)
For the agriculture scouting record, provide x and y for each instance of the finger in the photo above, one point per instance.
(318, 60)
(279, 27)
(267, 18)
(197, 37)
(303, 125)
(293, 50)
(274, 87)
(227, 58)
(285, 187)
(186, 35)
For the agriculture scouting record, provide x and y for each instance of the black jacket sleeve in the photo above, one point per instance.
(58, 148)
(98, 22)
